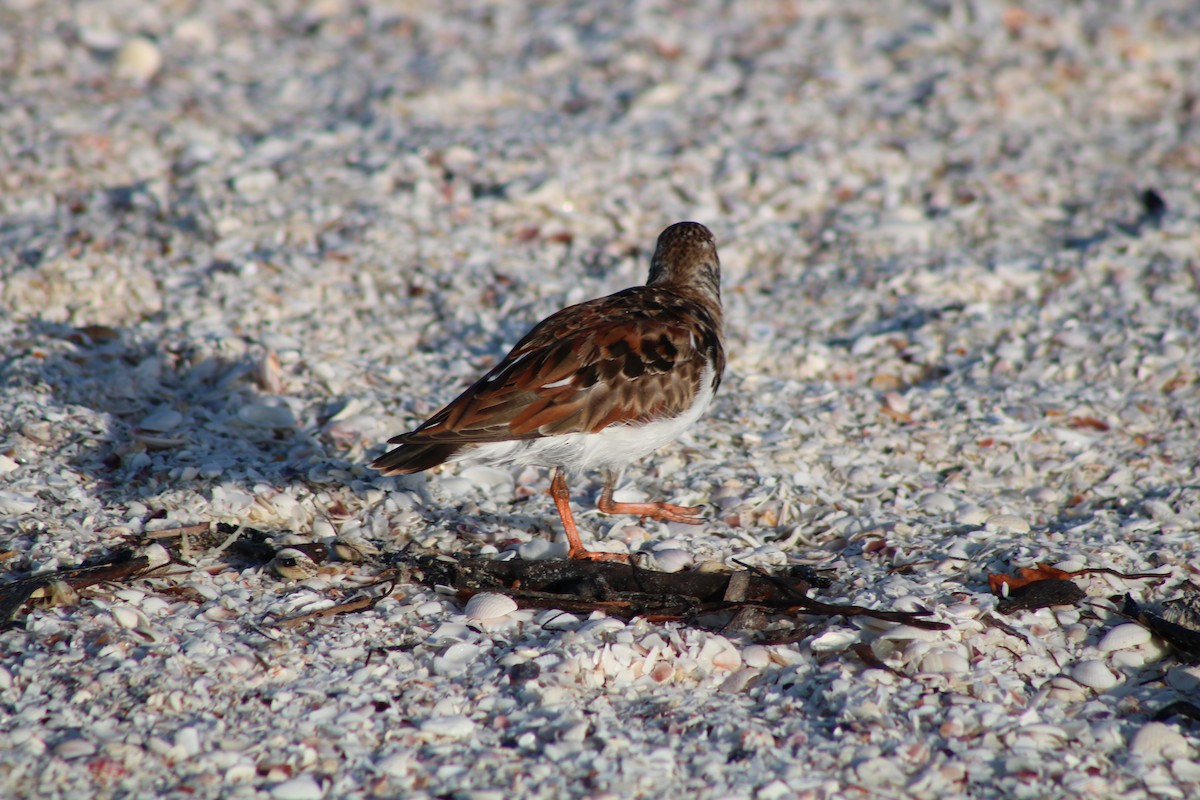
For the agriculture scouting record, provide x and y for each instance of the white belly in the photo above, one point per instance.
(612, 448)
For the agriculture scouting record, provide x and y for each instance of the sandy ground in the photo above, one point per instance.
(241, 244)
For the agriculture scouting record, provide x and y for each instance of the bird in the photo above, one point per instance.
(595, 386)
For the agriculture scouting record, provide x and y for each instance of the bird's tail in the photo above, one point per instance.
(409, 458)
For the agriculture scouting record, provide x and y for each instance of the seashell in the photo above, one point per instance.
(1067, 691)
(487, 477)
(601, 626)
(1094, 674)
(1156, 741)
(187, 739)
(670, 560)
(740, 681)
(450, 727)
(1043, 735)
(14, 503)
(293, 564)
(830, 641)
(662, 672)
(74, 748)
(456, 658)
(1128, 659)
(1007, 522)
(127, 617)
(158, 441)
(161, 421)
(156, 554)
(756, 656)
(219, 614)
(944, 661)
(541, 549)
(138, 60)
(937, 503)
(1123, 637)
(302, 787)
(909, 632)
(262, 415)
(448, 633)
(1185, 770)
(489, 605)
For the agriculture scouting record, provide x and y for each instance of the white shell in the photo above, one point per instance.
(910, 632)
(302, 787)
(1123, 637)
(1157, 740)
(944, 661)
(138, 60)
(1094, 674)
(489, 605)
(161, 421)
(833, 640)
(756, 656)
(261, 415)
(937, 503)
(127, 616)
(1008, 522)
(451, 727)
(671, 560)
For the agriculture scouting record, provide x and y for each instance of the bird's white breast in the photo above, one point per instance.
(611, 448)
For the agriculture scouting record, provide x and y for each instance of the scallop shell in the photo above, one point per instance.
(489, 605)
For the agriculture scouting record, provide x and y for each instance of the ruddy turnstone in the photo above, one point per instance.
(595, 386)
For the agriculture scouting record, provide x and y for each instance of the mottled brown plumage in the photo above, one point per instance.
(595, 385)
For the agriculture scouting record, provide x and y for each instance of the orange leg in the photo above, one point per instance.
(562, 501)
(668, 512)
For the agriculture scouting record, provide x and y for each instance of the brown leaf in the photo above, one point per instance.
(1024, 577)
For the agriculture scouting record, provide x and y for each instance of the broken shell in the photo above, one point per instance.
(293, 564)
(489, 605)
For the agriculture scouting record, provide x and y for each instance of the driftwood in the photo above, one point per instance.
(626, 591)
(121, 566)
